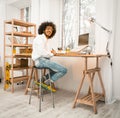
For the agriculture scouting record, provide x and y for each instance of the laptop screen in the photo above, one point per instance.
(83, 39)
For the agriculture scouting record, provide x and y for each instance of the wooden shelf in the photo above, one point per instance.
(88, 99)
(20, 78)
(19, 56)
(29, 33)
(19, 45)
(19, 23)
(20, 34)
(20, 68)
(22, 55)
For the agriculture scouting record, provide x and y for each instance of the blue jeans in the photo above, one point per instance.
(56, 70)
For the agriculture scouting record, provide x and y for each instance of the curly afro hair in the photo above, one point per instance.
(43, 26)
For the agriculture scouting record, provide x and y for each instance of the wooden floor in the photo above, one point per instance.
(16, 106)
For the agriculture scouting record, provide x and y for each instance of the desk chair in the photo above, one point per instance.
(40, 85)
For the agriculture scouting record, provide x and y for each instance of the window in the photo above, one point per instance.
(87, 10)
(25, 14)
(70, 22)
(75, 21)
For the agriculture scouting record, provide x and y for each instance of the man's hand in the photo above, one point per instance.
(53, 51)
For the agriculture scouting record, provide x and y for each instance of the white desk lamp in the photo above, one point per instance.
(92, 20)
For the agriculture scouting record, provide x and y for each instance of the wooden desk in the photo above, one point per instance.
(91, 98)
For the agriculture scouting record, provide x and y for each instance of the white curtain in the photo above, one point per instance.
(2, 18)
(116, 51)
(105, 16)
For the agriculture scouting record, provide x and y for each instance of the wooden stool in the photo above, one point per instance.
(91, 98)
(40, 92)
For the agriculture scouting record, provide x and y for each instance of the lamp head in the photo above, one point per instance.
(91, 19)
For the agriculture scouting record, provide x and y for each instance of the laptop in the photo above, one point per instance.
(83, 41)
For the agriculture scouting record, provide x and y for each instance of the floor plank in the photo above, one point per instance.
(15, 105)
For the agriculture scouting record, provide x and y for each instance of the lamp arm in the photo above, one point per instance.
(109, 31)
(107, 46)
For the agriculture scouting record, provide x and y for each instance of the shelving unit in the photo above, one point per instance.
(17, 34)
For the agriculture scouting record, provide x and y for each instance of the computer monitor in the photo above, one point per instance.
(83, 39)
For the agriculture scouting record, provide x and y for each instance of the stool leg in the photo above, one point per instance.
(40, 98)
(40, 92)
(52, 94)
(28, 82)
(31, 88)
(36, 79)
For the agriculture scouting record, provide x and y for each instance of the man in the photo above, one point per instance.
(42, 52)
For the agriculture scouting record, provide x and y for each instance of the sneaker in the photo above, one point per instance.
(45, 86)
(47, 82)
(44, 78)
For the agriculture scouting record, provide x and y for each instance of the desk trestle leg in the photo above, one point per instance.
(91, 98)
(78, 92)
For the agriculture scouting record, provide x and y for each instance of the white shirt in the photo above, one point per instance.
(41, 47)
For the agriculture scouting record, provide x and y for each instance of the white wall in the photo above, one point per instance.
(104, 16)
(50, 11)
(12, 12)
(116, 57)
(47, 10)
(109, 17)
(2, 18)
(7, 12)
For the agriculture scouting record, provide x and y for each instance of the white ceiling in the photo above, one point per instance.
(19, 3)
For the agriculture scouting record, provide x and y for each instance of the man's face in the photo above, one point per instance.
(48, 31)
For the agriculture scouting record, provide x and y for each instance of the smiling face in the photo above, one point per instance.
(48, 31)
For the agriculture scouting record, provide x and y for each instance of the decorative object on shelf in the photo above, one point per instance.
(24, 62)
(14, 39)
(7, 73)
(21, 63)
(14, 50)
(27, 50)
(26, 32)
(17, 40)
(15, 29)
